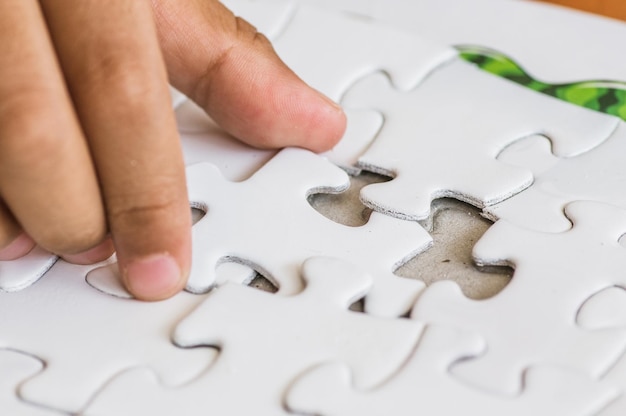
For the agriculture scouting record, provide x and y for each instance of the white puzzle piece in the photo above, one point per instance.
(15, 368)
(347, 47)
(533, 320)
(204, 141)
(86, 337)
(441, 139)
(598, 175)
(18, 274)
(269, 17)
(605, 309)
(265, 341)
(547, 39)
(277, 229)
(423, 386)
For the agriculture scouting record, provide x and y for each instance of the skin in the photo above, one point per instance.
(87, 130)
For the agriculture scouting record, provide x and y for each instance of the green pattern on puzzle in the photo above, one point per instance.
(604, 96)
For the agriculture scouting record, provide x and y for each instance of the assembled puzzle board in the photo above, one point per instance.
(460, 251)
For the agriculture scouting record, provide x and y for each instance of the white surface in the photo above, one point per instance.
(441, 139)
(15, 368)
(605, 309)
(598, 175)
(18, 274)
(277, 229)
(533, 320)
(346, 47)
(86, 337)
(265, 341)
(553, 43)
(424, 384)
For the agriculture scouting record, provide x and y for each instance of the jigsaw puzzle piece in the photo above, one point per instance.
(204, 141)
(86, 337)
(277, 229)
(596, 175)
(441, 139)
(18, 274)
(349, 47)
(533, 320)
(605, 309)
(557, 53)
(15, 367)
(423, 386)
(268, 16)
(265, 341)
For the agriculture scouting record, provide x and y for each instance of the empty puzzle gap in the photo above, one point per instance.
(346, 208)
(456, 227)
(261, 283)
(196, 214)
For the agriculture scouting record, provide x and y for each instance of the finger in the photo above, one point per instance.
(14, 243)
(232, 71)
(119, 87)
(96, 254)
(46, 176)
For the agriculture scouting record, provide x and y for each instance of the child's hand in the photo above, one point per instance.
(88, 141)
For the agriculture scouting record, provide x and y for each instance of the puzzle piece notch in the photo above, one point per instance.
(86, 337)
(16, 275)
(288, 334)
(350, 47)
(280, 190)
(596, 175)
(15, 367)
(424, 386)
(549, 284)
(416, 151)
(605, 309)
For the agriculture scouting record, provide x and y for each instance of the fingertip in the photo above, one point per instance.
(19, 247)
(99, 253)
(153, 277)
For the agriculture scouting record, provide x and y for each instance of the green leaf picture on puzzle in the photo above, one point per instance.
(599, 95)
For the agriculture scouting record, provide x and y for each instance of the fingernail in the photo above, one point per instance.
(153, 277)
(19, 247)
(96, 254)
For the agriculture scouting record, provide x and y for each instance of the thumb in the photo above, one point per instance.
(222, 63)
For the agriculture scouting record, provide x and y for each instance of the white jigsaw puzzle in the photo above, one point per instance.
(423, 383)
(533, 320)
(18, 274)
(15, 368)
(597, 175)
(441, 139)
(344, 335)
(270, 231)
(85, 337)
(265, 341)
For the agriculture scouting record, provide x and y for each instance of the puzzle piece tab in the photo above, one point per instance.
(348, 47)
(532, 321)
(441, 139)
(18, 274)
(277, 229)
(86, 337)
(598, 175)
(265, 341)
(423, 386)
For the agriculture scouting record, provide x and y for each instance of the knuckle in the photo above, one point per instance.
(71, 238)
(121, 76)
(143, 210)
